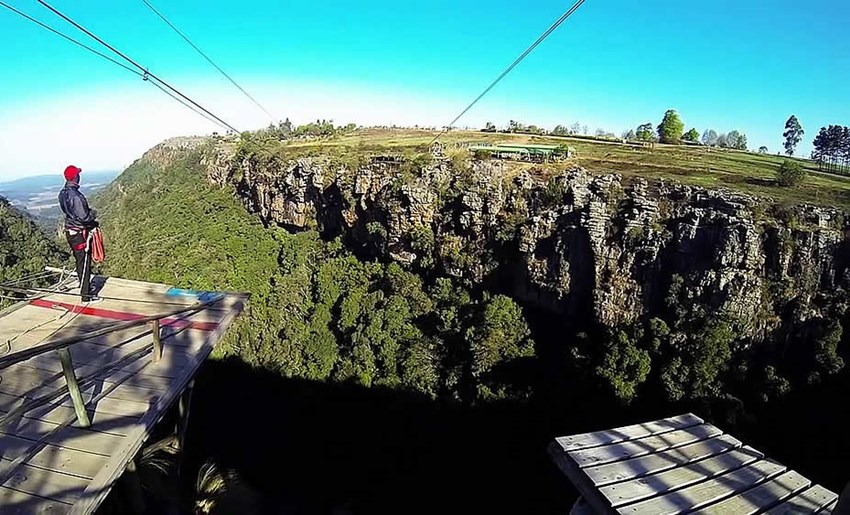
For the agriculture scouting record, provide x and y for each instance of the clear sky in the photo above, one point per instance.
(728, 64)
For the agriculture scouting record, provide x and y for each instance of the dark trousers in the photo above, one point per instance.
(83, 259)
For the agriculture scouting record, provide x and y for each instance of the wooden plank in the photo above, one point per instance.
(643, 446)
(587, 490)
(653, 463)
(621, 434)
(53, 431)
(52, 457)
(634, 490)
(706, 492)
(57, 413)
(14, 357)
(763, 496)
(830, 508)
(48, 484)
(102, 483)
(113, 406)
(15, 502)
(813, 500)
(175, 357)
(30, 382)
(86, 440)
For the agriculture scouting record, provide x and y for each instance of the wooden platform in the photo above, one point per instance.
(47, 462)
(681, 465)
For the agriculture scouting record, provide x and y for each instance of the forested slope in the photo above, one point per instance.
(24, 248)
(317, 311)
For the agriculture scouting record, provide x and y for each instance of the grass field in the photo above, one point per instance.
(709, 167)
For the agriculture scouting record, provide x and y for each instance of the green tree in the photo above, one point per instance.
(709, 137)
(775, 386)
(762, 149)
(793, 134)
(560, 130)
(691, 135)
(286, 127)
(736, 140)
(790, 174)
(832, 148)
(501, 335)
(696, 362)
(624, 365)
(420, 367)
(826, 358)
(645, 133)
(629, 135)
(671, 128)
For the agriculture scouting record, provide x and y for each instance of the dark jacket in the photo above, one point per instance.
(78, 215)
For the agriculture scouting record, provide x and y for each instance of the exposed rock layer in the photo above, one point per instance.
(588, 247)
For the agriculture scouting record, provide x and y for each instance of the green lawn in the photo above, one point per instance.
(701, 166)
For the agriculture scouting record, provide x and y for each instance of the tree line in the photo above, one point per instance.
(318, 129)
(832, 149)
(671, 131)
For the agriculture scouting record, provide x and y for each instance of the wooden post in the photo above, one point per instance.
(73, 387)
(135, 498)
(183, 422)
(157, 341)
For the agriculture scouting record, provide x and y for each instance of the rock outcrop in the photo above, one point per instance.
(588, 247)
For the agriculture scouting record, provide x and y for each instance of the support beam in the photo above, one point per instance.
(157, 341)
(73, 387)
(135, 498)
(183, 408)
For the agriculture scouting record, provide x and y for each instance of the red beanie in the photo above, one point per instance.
(72, 172)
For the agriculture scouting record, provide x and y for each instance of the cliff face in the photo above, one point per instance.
(588, 247)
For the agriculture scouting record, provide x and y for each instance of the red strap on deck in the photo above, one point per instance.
(177, 323)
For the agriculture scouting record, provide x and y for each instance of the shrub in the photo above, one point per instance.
(482, 154)
(790, 174)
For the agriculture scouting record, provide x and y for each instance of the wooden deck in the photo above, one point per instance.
(681, 465)
(48, 463)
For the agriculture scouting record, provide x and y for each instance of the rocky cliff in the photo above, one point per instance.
(587, 247)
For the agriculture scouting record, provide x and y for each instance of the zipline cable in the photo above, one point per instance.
(144, 70)
(209, 59)
(190, 106)
(143, 76)
(513, 65)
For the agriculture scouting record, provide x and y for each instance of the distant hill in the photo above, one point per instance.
(37, 195)
(24, 249)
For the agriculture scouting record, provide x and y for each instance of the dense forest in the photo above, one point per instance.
(379, 357)
(318, 312)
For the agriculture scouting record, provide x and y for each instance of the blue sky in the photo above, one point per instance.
(744, 65)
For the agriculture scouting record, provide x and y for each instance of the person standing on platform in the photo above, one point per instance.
(80, 220)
